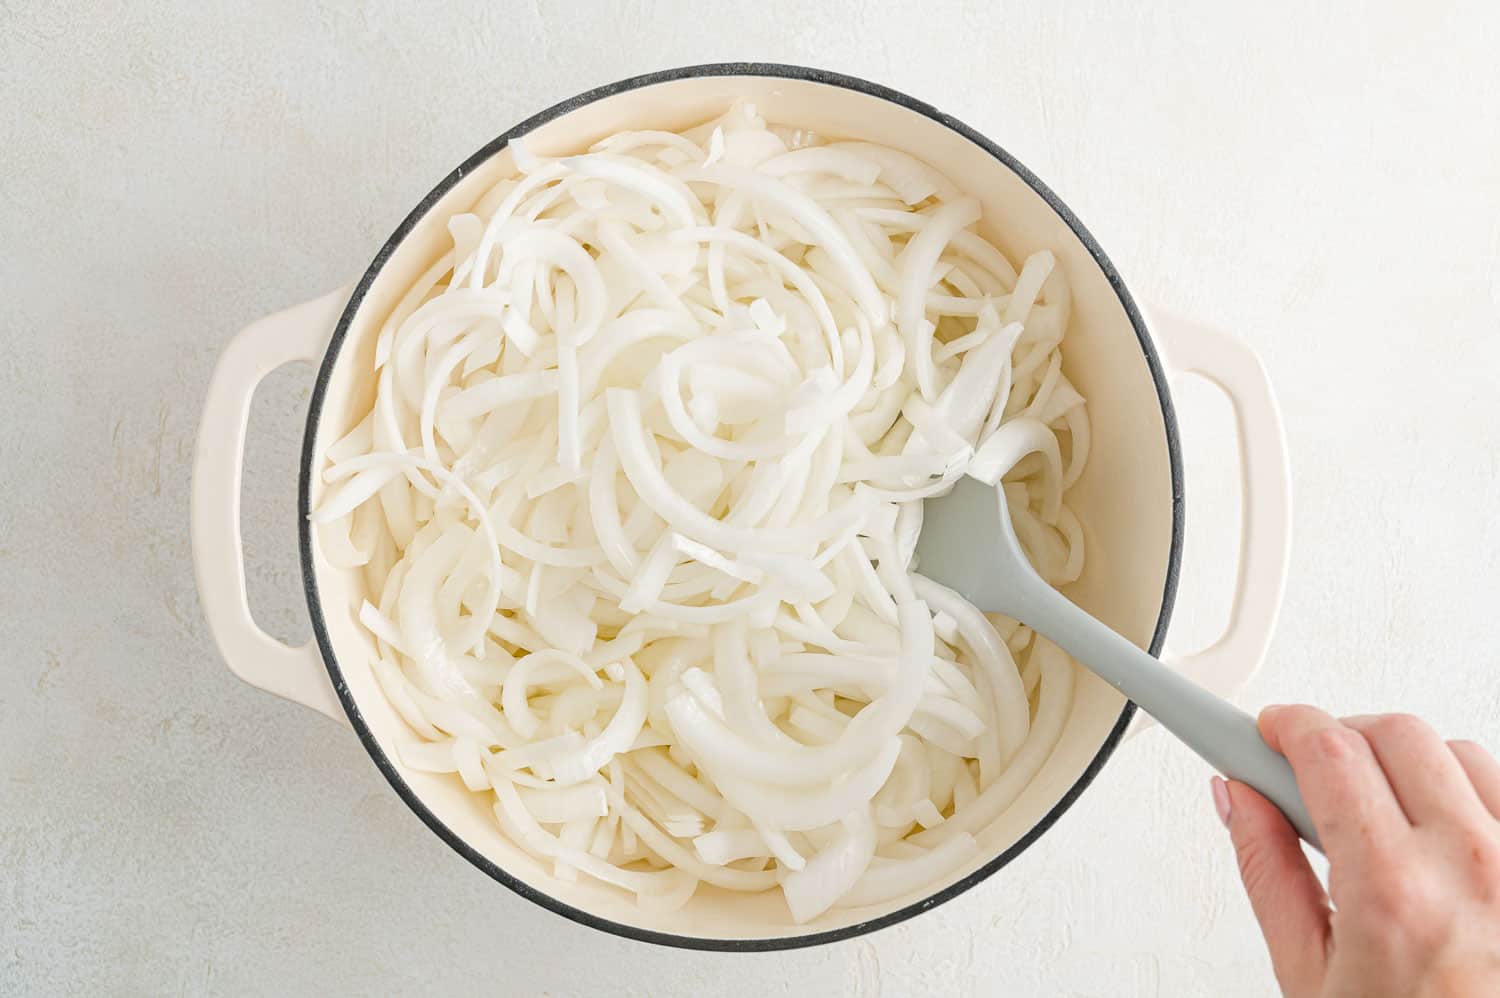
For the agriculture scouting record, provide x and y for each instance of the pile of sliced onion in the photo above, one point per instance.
(636, 502)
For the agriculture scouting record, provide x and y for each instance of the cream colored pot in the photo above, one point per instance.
(1129, 500)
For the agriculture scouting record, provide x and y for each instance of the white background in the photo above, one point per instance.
(1323, 178)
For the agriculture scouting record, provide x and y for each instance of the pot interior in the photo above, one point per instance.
(1125, 499)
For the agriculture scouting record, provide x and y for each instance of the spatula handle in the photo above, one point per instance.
(1217, 730)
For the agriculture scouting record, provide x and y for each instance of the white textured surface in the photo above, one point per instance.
(1324, 178)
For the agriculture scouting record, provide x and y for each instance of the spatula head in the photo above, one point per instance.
(968, 544)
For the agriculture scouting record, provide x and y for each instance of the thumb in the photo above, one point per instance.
(1289, 902)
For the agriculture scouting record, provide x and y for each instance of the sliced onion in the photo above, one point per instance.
(887, 881)
(831, 873)
(917, 260)
(647, 450)
(563, 804)
(617, 736)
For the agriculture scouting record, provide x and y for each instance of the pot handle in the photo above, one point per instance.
(1188, 347)
(299, 333)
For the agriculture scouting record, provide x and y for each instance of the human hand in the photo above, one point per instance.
(1411, 827)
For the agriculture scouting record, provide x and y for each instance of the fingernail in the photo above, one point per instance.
(1220, 791)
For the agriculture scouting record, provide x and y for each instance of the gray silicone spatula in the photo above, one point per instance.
(968, 544)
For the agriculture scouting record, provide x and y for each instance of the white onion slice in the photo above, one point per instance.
(887, 881)
(833, 872)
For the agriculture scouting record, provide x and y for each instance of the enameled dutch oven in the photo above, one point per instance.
(1129, 500)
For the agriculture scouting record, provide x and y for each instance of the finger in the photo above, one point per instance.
(1348, 797)
(1483, 772)
(1284, 893)
(1428, 779)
